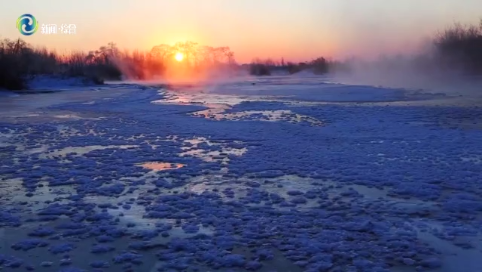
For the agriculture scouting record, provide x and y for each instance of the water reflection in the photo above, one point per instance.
(161, 166)
(217, 106)
(222, 152)
(82, 150)
(218, 113)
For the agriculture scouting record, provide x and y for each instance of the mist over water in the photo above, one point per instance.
(392, 44)
(408, 75)
(379, 43)
(420, 70)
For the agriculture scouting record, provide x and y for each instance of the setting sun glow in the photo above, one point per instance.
(179, 56)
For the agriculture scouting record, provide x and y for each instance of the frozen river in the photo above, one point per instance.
(270, 174)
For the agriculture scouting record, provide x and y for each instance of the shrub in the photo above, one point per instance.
(259, 69)
(293, 68)
(320, 66)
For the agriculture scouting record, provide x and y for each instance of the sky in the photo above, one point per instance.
(295, 30)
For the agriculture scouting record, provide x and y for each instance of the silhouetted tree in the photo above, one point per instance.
(461, 47)
(319, 66)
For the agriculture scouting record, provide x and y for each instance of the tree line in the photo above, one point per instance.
(20, 61)
(265, 67)
(456, 48)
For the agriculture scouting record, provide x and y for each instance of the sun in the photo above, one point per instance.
(179, 56)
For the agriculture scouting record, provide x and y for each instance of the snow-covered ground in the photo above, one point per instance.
(268, 174)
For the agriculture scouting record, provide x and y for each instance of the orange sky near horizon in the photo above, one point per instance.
(295, 30)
